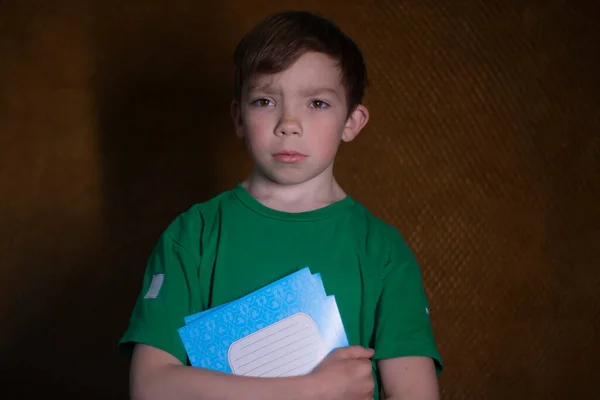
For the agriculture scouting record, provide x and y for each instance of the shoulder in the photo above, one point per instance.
(383, 244)
(380, 234)
(188, 226)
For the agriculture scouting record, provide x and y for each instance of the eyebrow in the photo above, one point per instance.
(306, 92)
(309, 92)
(260, 88)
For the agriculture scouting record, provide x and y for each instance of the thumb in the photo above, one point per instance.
(353, 352)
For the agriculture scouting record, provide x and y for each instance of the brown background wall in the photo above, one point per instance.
(483, 149)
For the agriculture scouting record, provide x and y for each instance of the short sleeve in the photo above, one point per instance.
(402, 322)
(165, 299)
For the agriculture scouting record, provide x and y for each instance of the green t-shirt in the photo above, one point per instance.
(231, 245)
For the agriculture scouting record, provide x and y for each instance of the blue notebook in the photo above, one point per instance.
(300, 278)
(283, 329)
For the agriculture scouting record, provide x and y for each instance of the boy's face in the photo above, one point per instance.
(293, 121)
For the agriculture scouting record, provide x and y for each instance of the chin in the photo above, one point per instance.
(292, 175)
(289, 179)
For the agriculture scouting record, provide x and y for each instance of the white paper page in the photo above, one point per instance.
(292, 346)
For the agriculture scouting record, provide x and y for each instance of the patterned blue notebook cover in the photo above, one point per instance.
(304, 277)
(282, 329)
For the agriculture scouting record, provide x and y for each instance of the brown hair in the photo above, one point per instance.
(280, 39)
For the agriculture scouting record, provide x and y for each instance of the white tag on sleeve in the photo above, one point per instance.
(155, 285)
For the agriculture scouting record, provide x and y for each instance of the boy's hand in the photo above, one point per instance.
(345, 374)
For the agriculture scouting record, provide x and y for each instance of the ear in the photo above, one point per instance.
(355, 122)
(236, 115)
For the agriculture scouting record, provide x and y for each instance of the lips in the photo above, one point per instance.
(289, 153)
(289, 156)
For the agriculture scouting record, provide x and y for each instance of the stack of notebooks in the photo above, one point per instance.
(283, 329)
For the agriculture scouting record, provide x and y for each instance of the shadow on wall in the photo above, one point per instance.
(161, 89)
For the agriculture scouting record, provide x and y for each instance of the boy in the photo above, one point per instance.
(299, 84)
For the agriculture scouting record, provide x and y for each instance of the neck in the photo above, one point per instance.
(313, 194)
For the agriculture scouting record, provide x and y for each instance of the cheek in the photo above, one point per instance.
(327, 135)
(257, 130)
(256, 123)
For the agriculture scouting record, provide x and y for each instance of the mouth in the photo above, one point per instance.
(289, 156)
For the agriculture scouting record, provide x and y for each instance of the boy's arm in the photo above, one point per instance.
(408, 378)
(405, 350)
(344, 375)
(156, 374)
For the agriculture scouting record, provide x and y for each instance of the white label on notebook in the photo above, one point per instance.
(155, 285)
(290, 347)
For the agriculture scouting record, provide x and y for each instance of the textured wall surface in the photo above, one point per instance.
(483, 149)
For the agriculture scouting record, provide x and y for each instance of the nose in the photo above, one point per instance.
(288, 126)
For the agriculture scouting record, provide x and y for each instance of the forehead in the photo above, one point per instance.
(310, 70)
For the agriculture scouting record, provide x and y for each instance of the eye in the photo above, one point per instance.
(318, 104)
(262, 103)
